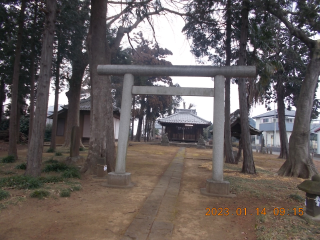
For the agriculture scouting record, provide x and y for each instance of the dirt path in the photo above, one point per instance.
(97, 212)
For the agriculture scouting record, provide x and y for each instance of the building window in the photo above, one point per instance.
(289, 120)
(60, 127)
(265, 120)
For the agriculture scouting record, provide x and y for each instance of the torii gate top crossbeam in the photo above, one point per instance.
(178, 70)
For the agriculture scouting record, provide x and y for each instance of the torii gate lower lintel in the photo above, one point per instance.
(215, 186)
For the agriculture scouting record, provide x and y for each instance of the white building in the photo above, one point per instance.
(268, 123)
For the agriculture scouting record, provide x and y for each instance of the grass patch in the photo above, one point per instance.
(285, 227)
(50, 150)
(55, 167)
(76, 188)
(51, 179)
(296, 198)
(51, 161)
(12, 201)
(4, 194)
(66, 170)
(65, 193)
(27, 182)
(8, 159)
(9, 173)
(22, 166)
(21, 182)
(71, 172)
(40, 194)
(58, 154)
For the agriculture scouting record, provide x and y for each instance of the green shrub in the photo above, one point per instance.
(27, 182)
(4, 194)
(8, 159)
(65, 193)
(47, 133)
(58, 154)
(22, 166)
(51, 160)
(39, 194)
(21, 182)
(82, 149)
(24, 125)
(51, 179)
(50, 150)
(55, 167)
(76, 188)
(71, 172)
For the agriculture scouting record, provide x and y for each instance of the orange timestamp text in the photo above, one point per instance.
(257, 211)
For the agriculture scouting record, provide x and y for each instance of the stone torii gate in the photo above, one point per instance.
(215, 186)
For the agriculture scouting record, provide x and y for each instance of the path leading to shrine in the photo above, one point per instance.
(155, 218)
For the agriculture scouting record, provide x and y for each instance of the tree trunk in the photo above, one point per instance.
(35, 150)
(74, 100)
(101, 144)
(153, 129)
(80, 61)
(138, 134)
(140, 122)
(32, 80)
(109, 125)
(2, 97)
(299, 162)
(239, 154)
(227, 126)
(282, 120)
(132, 121)
(15, 88)
(32, 74)
(248, 163)
(18, 121)
(56, 103)
(145, 129)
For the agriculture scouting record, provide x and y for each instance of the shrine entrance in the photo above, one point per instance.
(215, 186)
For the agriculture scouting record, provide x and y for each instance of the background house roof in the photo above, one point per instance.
(275, 112)
(85, 105)
(235, 123)
(185, 116)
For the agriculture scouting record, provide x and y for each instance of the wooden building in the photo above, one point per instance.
(85, 107)
(184, 125)
(235, 123)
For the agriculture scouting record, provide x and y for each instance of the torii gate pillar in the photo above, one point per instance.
(217, 186)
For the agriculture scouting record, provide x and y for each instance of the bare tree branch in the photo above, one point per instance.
(126, 9)
(123, 30)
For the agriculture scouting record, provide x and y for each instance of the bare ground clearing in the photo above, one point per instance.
(97, 212)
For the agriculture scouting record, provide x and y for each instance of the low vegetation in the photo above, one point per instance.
(58, 154)
(65, 193)
(8, 159)
(22, 166)
(4, 194)
(50, 150)
(40, 194)
(55, 166)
